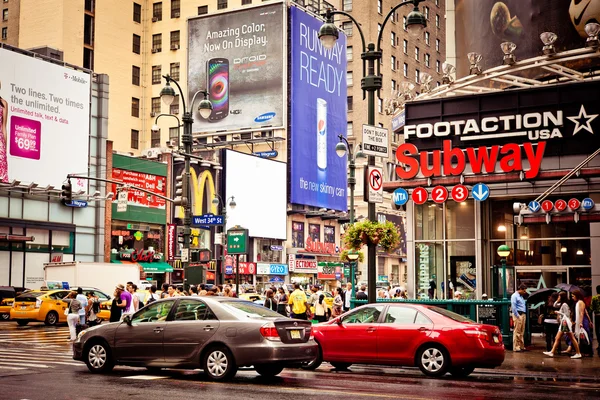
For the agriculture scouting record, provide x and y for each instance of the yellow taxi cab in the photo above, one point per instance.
(40, 305)
(105, 306)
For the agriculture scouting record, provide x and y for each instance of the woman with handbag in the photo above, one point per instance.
(72, 313)
(337, 304)
(270, 301)
(282, 300)
(321, 310)
(582, 325)
(565, 327)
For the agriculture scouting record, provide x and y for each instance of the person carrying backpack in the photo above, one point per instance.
(92, 309)
(152, 295)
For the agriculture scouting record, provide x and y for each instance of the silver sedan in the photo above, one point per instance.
(217, 334)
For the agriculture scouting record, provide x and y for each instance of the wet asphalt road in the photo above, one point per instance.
(35, 364)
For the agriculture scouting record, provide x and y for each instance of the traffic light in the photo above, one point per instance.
(178, 201)
(67, 192)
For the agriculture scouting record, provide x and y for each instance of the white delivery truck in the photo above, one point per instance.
(103, 276)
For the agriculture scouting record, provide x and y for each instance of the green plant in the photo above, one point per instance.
(344, 255)
(384, 234)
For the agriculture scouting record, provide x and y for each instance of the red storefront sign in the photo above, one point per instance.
(315, 246)
(171, 241)
(247, 268)
(140, 256)
(153, 183)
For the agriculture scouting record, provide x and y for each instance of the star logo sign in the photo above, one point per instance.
(582, 121)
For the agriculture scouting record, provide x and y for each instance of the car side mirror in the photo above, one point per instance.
(127, 319)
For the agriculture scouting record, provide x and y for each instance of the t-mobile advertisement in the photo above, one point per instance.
(238, 58)
(318, 116)
(44, 121)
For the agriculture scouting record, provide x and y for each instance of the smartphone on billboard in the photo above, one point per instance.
(218, 87)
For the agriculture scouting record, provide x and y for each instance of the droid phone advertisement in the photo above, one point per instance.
(318, 115)
(238, 59)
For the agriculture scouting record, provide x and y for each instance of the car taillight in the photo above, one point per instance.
(269, 332)
(475, 333)
(312, 334)
(38, 303)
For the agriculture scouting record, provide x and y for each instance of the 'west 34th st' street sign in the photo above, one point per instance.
(207, 219)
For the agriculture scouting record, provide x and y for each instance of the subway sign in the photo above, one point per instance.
(511, 131)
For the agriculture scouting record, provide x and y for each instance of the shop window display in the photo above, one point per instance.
(297, 234)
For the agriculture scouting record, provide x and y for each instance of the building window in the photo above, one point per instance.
(405, 70)
(347, 5)
(137, 14)
(379, 6)
(221, 4)
(5, 14)
(347, 28)
(393, 84)
(437, 45)
(155, 138)
(297, 234)
(349, 80)
(378, 28)
(157, 12)
(437, 20)
(135, 107)
(417, 53)
(174, 133)
(437, 3)
(417, 73)
(393, 38)
(437, 66)
(175, 71)
(156, 105)
(135, 75)
(175, 40)
(4, 33)
(314, 231)
(427, 60)
(156, 72)
(393, 62)
(157, 43)
(175, 8)
(393, 17)
(427, 37)
(246, 2)
(349, 53)
(380, 105)
(426, 13)
(202, 10)
(349, 100)
(404, 22)
(349, 129)
(135, 139)
(329, 234)
(88, 58)
(405, 46)
(174, 108)
(136, 44)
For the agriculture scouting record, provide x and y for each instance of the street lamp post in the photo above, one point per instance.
(167, 95)
(371, 82)
(216, 201)
(341, 149)
(504, 251)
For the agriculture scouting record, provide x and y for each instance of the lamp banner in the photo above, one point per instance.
(238, 58)
(318, 115)
(171, 241)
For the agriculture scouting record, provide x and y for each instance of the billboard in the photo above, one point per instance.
(259, 187)
(238, 57)
(482, 25)
(203, 189)
(318, 115)
(44, 121)
(154, 183)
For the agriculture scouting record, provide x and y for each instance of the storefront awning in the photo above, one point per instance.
(156, 267)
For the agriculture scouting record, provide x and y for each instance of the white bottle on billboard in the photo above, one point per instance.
(321, 133)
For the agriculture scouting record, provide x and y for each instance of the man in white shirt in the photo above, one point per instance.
(347, 296)
(84, 303)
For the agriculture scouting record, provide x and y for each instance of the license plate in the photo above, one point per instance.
(23, 307)
(496, 339)
(295, 334)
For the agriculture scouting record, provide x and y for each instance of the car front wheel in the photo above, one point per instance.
(433, 360)
(51, 318)
(98, 359)
(269, 370)
(219, 364)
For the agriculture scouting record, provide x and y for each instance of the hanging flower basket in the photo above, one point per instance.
(344, 255)
(368, 232)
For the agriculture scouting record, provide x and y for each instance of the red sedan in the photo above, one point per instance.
(432, 338)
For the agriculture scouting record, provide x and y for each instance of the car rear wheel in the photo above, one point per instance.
(268, 370)
(22, 322)
(51, 318)
(340, 365)
(5, 317)
(461, 372)
(314, 364)
(219, 364)
(433, 360)
(98, 359)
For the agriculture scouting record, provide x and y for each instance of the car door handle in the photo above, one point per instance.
(371, 329)
(158, 330)
(423, 329)
(208, 328)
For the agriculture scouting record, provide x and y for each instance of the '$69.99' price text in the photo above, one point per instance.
(25, 144)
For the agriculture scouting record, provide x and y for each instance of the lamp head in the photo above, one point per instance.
(155, 128)
(592, 29)
(341, 149)
(232, 203)
(359, 154)
(415, 22)
(328, 33)
(503, 251)
(167, 94)
(352, 256)
(548, 39)
(508, 48)
(205, 108)
(215, 201)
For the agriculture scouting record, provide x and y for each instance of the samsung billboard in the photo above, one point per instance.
(44, 121)
(318, 177)
(238, 57)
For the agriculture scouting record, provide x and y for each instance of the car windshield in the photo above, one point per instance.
(30, 296)
(247, 309)
(452, 315)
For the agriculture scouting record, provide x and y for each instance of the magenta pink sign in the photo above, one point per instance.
(25, 138)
